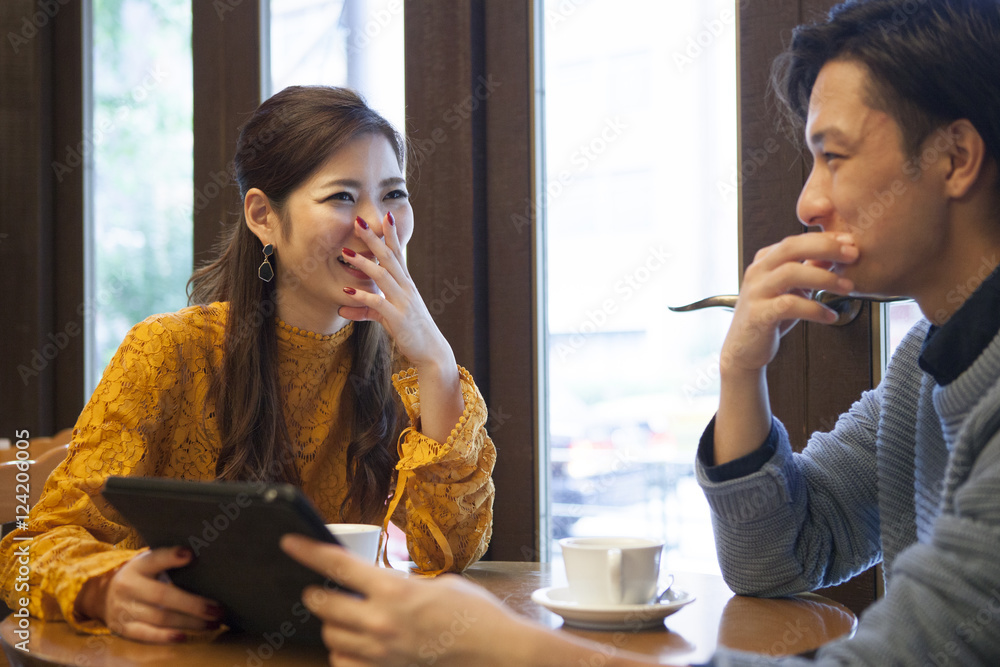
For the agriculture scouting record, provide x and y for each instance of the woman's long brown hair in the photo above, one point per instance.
(285, 140)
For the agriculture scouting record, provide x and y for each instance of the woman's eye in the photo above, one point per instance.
(340, 196)
(831, 156)
(397, 194)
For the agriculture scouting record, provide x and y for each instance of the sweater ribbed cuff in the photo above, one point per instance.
(758, 494)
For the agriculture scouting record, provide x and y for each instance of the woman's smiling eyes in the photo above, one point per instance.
(349, 197)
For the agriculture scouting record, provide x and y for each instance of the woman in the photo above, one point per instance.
(282, 372)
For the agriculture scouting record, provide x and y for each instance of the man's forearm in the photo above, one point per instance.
(744, 418)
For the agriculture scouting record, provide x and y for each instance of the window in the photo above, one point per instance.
(900, 317)
(141, 142)
(641, 213)
(353, 43)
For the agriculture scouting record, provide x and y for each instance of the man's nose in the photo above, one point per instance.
(814, 206)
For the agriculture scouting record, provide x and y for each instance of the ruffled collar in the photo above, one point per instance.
(308, 342)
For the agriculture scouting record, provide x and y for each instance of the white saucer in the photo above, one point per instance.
(560, 601)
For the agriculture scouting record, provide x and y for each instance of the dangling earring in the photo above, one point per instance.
(265, 272)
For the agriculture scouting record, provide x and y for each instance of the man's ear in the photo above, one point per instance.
(261, 217)
(967, 153)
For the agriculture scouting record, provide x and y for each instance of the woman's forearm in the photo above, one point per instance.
(441, 402)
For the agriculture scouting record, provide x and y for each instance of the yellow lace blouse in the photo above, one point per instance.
(150, 416)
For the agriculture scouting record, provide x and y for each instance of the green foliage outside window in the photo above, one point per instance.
(141, 136)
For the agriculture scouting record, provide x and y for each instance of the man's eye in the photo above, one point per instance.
(397, 194)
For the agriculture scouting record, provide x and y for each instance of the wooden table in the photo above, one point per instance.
(716, 618)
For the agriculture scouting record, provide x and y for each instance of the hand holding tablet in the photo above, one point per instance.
(233, 530)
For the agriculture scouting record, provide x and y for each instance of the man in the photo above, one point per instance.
(901, 105)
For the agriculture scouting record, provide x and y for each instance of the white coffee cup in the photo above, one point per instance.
(359, 538)
(611, 571)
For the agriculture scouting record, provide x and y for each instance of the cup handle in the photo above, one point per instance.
(617, 575)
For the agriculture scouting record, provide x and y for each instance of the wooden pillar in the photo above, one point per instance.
(470, 115)
(226, 52)
(41, 233)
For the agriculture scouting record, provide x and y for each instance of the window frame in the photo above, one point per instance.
(829, 366)
(42, 277)
(475, 197)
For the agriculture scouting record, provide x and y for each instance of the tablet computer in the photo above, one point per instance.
(233, 530)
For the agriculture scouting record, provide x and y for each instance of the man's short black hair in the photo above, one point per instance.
(930, 62)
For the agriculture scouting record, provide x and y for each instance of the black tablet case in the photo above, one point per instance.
(233, 529)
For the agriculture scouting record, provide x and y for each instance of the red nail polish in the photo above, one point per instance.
(392, 220)
(178, 638)
(214, 611)
(350, 290)
(364, 225)
(348, 251)
(184, 552)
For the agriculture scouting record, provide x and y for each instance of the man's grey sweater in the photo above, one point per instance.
(909, 476)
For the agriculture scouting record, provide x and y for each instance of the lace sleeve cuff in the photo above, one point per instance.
(416, 450)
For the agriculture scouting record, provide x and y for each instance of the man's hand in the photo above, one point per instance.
(776, 293)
